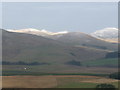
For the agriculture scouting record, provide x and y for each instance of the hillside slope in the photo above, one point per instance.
(71, 38)
(29, 48)
(82, 39)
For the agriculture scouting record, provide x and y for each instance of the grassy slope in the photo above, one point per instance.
(60, 69)
(29, 48)
(102, 62)
(102, 66)
(77, 38)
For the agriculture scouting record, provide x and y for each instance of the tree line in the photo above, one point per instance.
(74, 62)
(113, 55)
(22, 63)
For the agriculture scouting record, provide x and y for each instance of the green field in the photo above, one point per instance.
(111, 62)
(12, 73)
(63, 69)
(78, 85)
(82, 85)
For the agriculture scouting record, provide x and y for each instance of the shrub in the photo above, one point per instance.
(21, 63)
(105, 86)
(115, 75)
(73, 62)
(113, 55)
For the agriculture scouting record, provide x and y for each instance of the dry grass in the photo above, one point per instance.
(28, 82)
(49, 81)
(61, 80)
(100, 80)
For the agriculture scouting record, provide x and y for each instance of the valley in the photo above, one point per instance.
(59, 59)
(59, 45)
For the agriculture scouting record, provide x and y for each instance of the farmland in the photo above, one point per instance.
(110, 62)
(63, 69)
(56, 81)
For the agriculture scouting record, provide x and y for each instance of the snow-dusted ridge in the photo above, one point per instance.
(106, 33)
(42, 32)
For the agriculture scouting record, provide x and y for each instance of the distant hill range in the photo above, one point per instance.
(56, 52)
(29, 48)
(76, 39)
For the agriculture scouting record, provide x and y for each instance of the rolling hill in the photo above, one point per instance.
(71, 38)
(29, 48)
(81, 39)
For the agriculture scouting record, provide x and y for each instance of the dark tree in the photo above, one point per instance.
(34, 63)
(113, 55)
(73, 62)
(115, 75)
(6, 63)
(72, 54)
(105, 87)
(21, 63)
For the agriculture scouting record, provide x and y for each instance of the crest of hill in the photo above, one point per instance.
(29, 48)
(71, 38)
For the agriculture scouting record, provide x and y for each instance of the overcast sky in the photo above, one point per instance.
(84, 17)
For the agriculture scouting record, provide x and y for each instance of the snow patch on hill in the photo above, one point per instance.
(42, 32)
(106, 33)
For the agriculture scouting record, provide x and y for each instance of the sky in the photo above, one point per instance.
(60, 16)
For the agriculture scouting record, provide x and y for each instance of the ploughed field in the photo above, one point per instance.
(55, 81)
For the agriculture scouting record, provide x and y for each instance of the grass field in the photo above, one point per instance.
(58, 76)
(22, 73)
(53, 81)
(11, 69)
(111, 62)
(83, 85)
